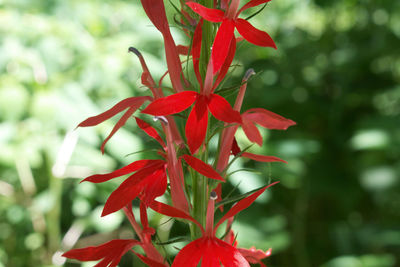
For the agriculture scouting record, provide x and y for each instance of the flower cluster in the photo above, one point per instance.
(210, 28)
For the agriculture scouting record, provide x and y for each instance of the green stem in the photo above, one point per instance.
(207, 41)
(199, 182)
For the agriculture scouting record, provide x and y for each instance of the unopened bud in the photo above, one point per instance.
(249, 73)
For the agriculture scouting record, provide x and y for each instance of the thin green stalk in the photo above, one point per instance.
(207, 41)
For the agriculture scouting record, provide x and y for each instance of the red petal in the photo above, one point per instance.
(221, 44)
(153, 186)
(133, 102)
(150, 131)
(252, 132)
(196, 125)
(229, 255)
(190, 255)
(222, 110)
(196, 51)
(252, 3)
(155, 10)
(121, 122)
(254, 35)
(209, 14)
(102, 251)
(149, 261)
(267, 119)
(134, 166)
(261, 158)
(242, 204)
(254, 255)
(170, 211)
(171, 104)
(202, 168)
(130, 189)
(227, 62)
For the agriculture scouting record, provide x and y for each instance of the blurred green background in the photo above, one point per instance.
(336, 73)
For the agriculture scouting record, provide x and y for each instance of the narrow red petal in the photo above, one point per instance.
(254, 35)
(221, 44)
(202, 168)
(129, 190)
(98, 252)
(252, 3)
(170, 211)
(150, 131)
(252, 133)
(222, 110)
(227, 63)
(153, 186)
(134, 166)
(196, 125)
(121, 122)
(149, 261)
(242, 204)
(254, 255)
(210, 14)
(261, 158)
(134, 102)
(229, 255)
(171, 104)
(196, 51)
(190, 255)
(267, 119)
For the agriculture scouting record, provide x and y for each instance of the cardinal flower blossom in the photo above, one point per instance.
(196, 125)
(209, 249)
(230, 21)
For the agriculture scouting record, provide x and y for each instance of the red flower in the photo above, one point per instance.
(264, 118)
(230, 21)
(196, 125)
(109, 253)
(131, 103)
(148, 182)
(211, 250)
(252, 255)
